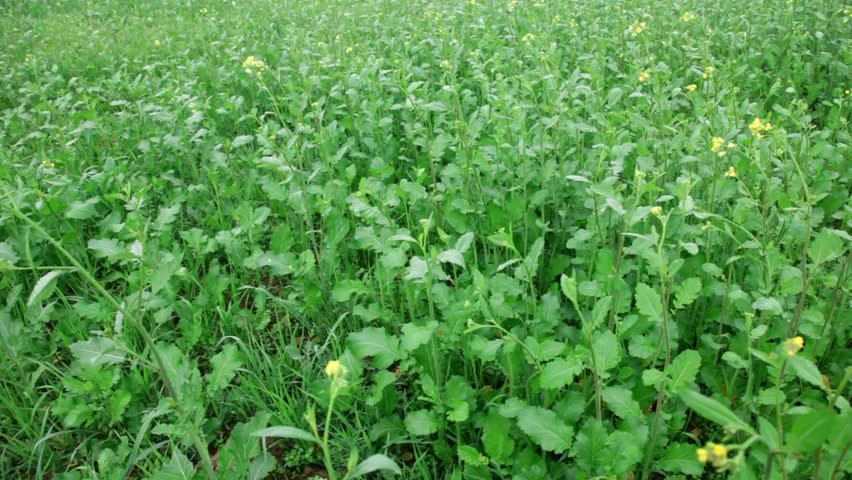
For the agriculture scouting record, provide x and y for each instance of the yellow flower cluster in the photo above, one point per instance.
(657, 211)
(758, 127)
(644, 76)
(335, 369)
(708, 72)
(731, 173)
(254, 66)
(528, 37)
(572, 23)
(688, 17)
(794, 345)
(637, 27)
(718, 146)
(691, 87)
(714, 453)
(445, 64)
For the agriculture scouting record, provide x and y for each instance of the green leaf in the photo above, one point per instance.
(590, 447)
(7, 254)
(179, 468)
(683, 370)
(44, 286)
(374, 463)
(421, 422)
(806, 370)
(653, 377)
(464, 242)
(83, 210)
(344, 290)
(713, 410)
(107, 248)
(768, 304)
(569, 287)
(496, 438)
(560, 372)
(376, 343)
(97, 351)
(414, 335)
(471, 456)
(286, 432)
(687, 292)
(620, 401)
(827, 246)
(812, 429)
(648, 302)
(236, 455)
(452, 256)
(225, 365)
(607, 351)
(546, 429)
(681, 458)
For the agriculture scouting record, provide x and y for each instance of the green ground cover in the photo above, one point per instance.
(425, 239)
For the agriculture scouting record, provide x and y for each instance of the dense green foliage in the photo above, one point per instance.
(544, 240)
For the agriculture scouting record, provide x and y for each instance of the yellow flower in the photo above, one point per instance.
(708, 72)
(657, 210)
(691, 87)
(528, 37)
(335, 369)
(714, 453)
(156, 43)
(445, 64)
(758, 127)
(717, 144)
(731, 173)
(688, 17)
(254, 66)
(794, 345)
(644, 76)
(572, 23)
(637, 27)
(349, 49)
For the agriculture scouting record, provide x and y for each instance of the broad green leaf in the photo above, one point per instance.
(225, 365)
(83, 210)
(806, 370)
(383, 379)
(376, 343)
(345, 289)
(569, 287)
(464, 242)
(812, 429)
(826, 246)
(110, 249)
(648, 302)
(681, 458)
(590, 447)
(734, 360)
(414, 336)
(417, 269)
(713, 410)
(43, 286)
(653, 377)
(546, 429)
(452, 256)
(97, 351)
(687, 292)
(374, 463)
(683, 370)
(236, 455)
(421, 422)
(179, 468)
(7, 254)
(768, 304)
(620, 401)
(496, 437)
(471, 455)
(607, 351)
(560, 372)
(286, 432)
